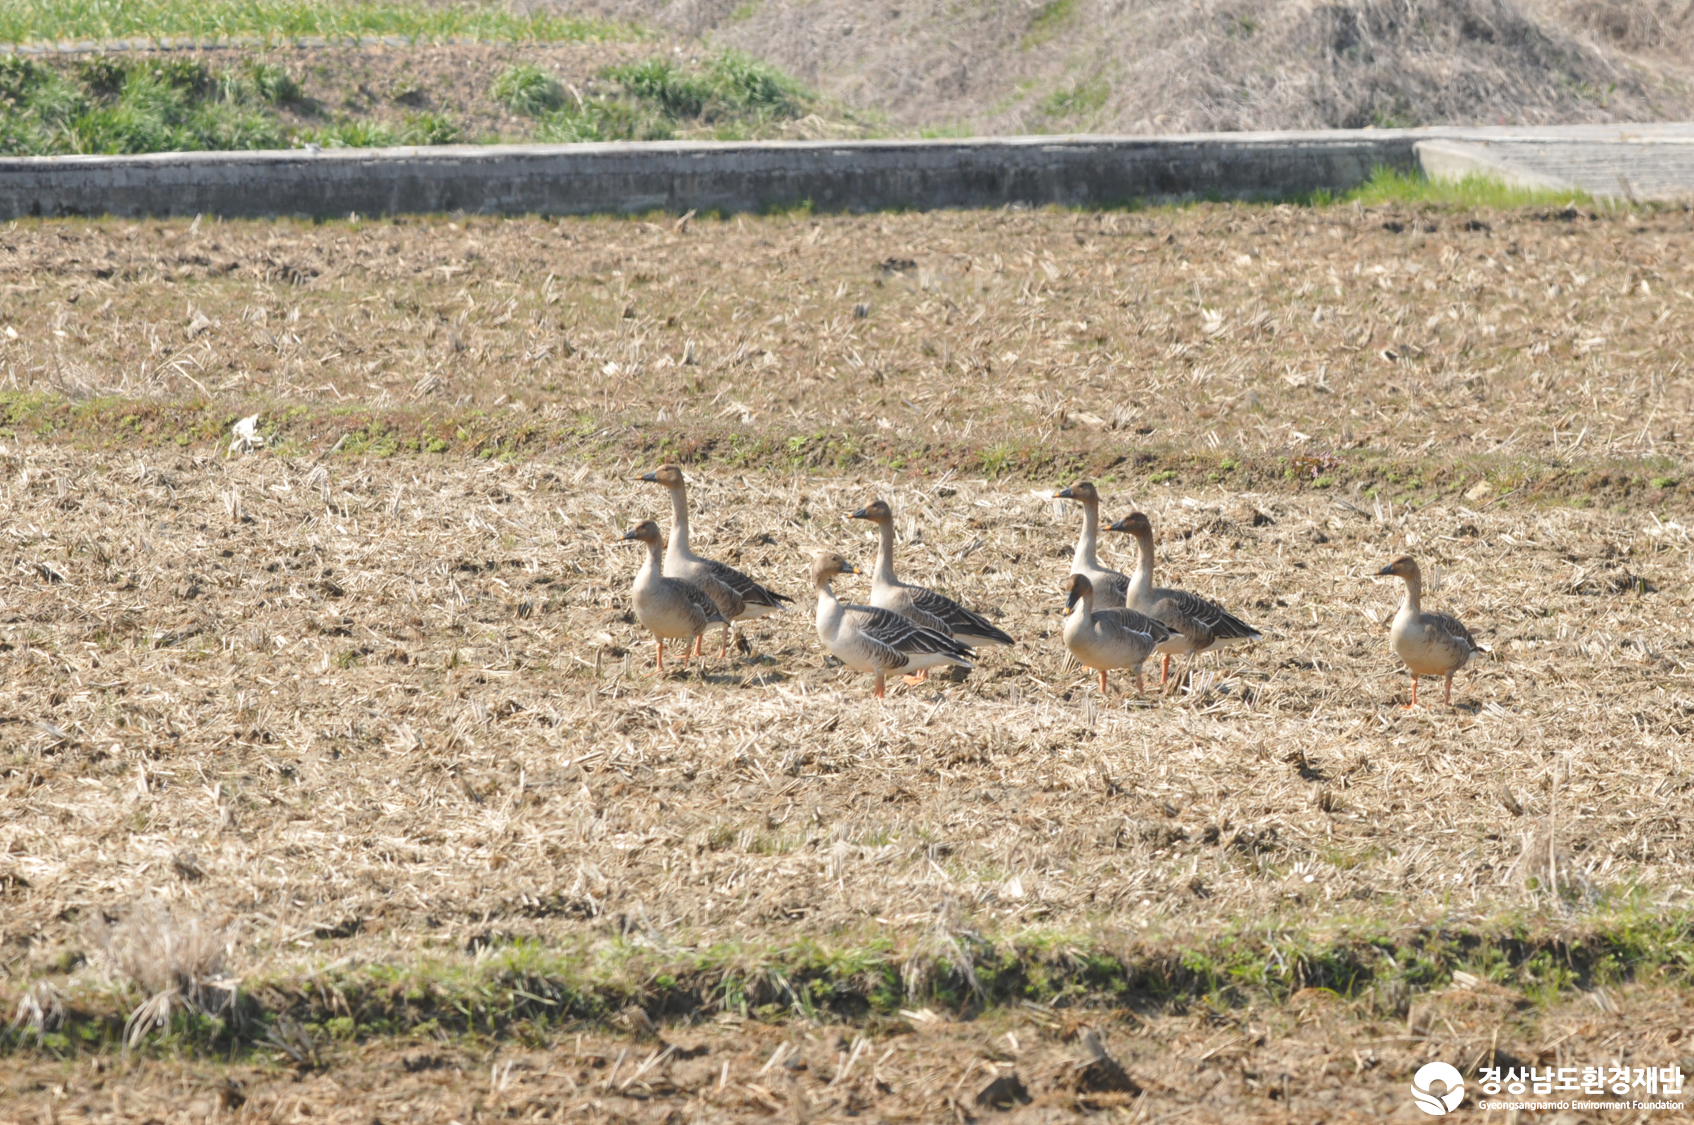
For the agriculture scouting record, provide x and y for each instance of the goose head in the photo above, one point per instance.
(1076, 587)
(877, 511)
(828, 564)
(1403, 567)
(668, 475)
(1134, 524)
(1082, 490)
(644, 532)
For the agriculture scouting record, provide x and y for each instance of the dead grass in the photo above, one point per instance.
(381, 708)
(393, 706)
(1303, 338)
(1183, 66)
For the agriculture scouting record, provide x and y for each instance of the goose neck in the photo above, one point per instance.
(884, 573)
(1143, 578)
(829, 609)
(679, 522)
(651, 567)
(1085, 558)
(1413, 604)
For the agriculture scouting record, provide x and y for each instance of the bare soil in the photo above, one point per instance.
(1316, 341)
(1314, 1060)
(389, 706)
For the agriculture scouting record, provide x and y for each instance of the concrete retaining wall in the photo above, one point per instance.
(677, 176)
(1652, 161)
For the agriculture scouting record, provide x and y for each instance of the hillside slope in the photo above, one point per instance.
(1144, 66)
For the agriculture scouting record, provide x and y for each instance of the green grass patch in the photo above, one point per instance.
(31, 21)
(529, 989)
(730, 96)
(117, 422)
(1053, 18)
(1079, 101)
(117, 104)
(1389, 185)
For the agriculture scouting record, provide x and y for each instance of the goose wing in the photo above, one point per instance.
(700, 600)
(1453, 628)
(1132, 621)
(1177, 608)
(958, 620)
(903, 636)
(751, 592)
(1111, 589)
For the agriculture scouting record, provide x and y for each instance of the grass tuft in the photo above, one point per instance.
(730, 96)
(30, 21)
(1389, 185)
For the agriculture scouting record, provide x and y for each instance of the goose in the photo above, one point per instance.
(1110, 588)
(915, 603)
(667, 607)
(1431, 644)
(1107, 638)
(738, 597)
(868, 639)
(1195, 623)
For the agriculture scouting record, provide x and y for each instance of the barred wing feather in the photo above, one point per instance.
(958, 620)
(753, 593)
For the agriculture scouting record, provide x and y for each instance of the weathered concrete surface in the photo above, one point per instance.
(832, 176)
(676, 176)
(1609, 161)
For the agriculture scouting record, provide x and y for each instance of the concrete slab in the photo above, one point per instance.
(1636, 162)
(1076, 171)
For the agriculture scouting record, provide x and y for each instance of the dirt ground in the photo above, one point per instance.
(394, 707)
(1314, 1060)
(410, 695)
(932, 341)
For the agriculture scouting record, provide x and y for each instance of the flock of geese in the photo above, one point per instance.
(1114, 622)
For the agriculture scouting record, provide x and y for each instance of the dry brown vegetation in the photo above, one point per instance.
(991, 342)
(387, 710)
(314, 707)
(1184, 66)
(1312, 1060)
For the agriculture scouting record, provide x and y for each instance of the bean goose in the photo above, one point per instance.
(1431, 644)
(915, 603)
(738, 597)
(868, 639)
(669, 608)
(1195, 623)
(1103, 639)
(1110, 587)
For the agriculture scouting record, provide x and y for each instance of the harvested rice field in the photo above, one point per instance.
(336, 780)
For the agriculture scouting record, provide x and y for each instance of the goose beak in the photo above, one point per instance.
(626, 536)
(1070, 602)
(859, 515)
(649, 477)
(1063, 494)
(1119, 525)
(1387, 570)
(849, 568)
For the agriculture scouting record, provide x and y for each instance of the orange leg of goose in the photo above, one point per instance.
(723, 651)
(1449, 694)
(1414, 701)
(880, 685)
(661, 642)
(1165, 672)
(1102, 681)
(698, 641)
(918, 677)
